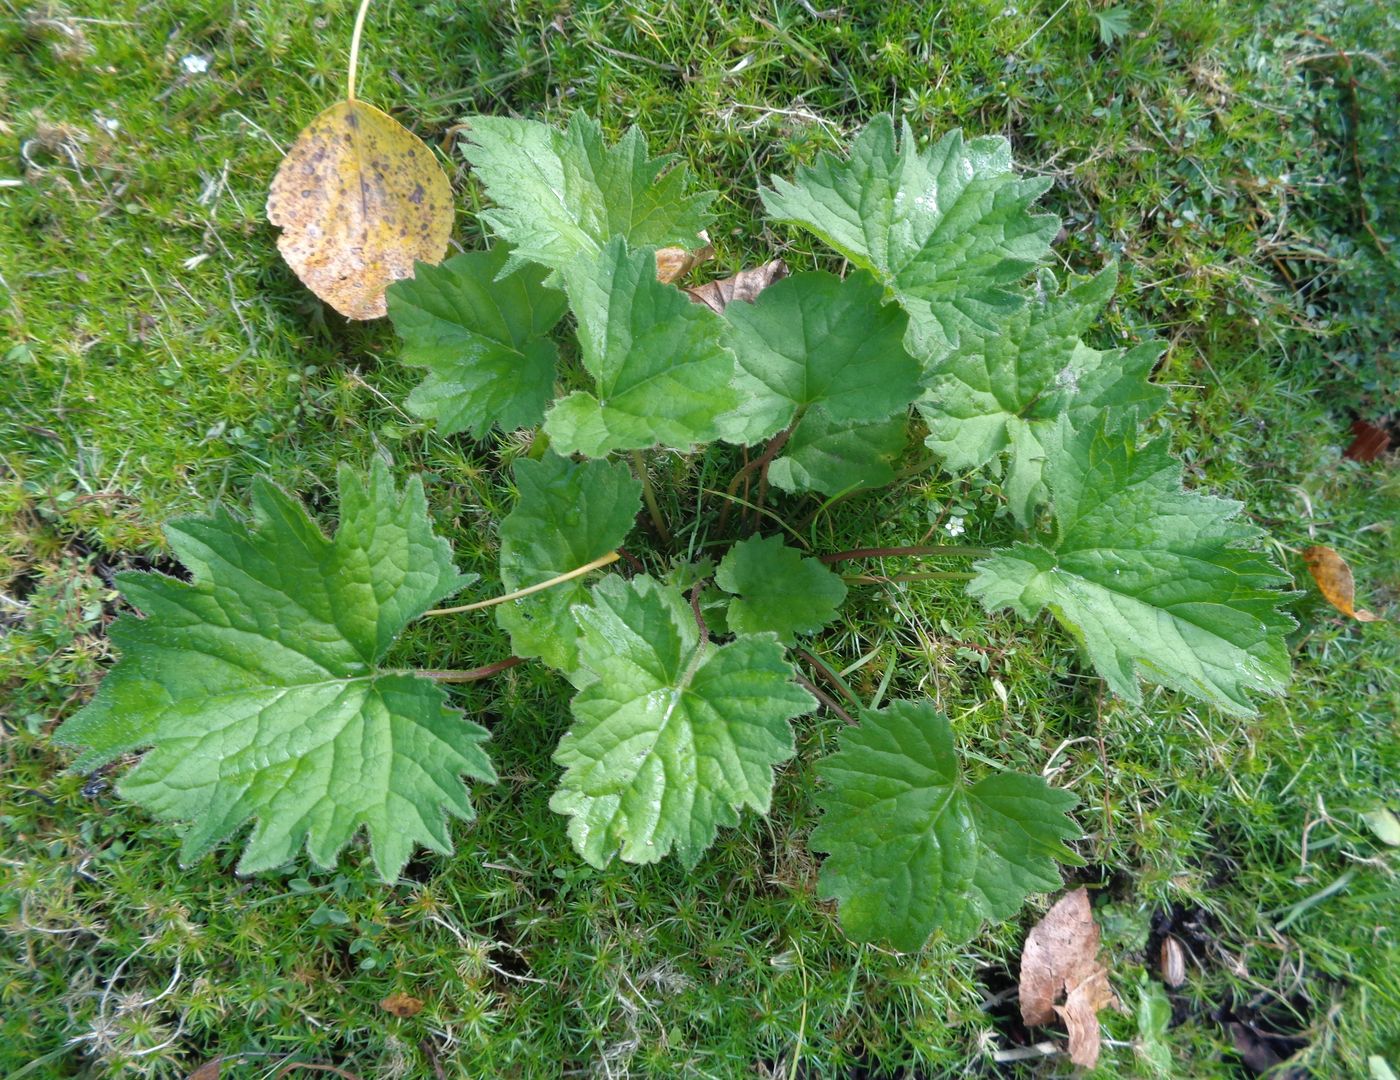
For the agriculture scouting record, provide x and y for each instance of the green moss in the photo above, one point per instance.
(158, 354)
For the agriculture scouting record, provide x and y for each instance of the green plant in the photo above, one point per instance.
(260, 686)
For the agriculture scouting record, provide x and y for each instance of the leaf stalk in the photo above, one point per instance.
(639, 466)
(948, 550)
(601, 561)
(473, 674)
(355, 49)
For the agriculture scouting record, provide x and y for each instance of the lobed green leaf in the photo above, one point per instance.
(482, 333)
(672, 735)
(662, 372)
(1003, 394)
(776, 590)
(814, 339)
(562, 195)
(948, 230)
(912, 848)
(568, 514)
(258, 690)
(1151, 580)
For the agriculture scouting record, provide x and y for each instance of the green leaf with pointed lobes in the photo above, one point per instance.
(562, 195)
(814, 339)
(913, 848)
(663, 375)
(776, 590)
(1003, 394)
(672, 736)
(482, 333)
(1153, 581)
(948, 229)
(835, 457)
(258, 690)
(568, 514)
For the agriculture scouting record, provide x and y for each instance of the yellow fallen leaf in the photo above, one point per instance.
(1334, 581)
(359, 198)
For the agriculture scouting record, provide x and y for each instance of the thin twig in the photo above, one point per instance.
(831, 677)
(825, 698)
(760, 464)
(699, 618)
(600, 561)
(930, 575)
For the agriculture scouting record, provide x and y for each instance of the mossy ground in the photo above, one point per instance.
(1240, 160)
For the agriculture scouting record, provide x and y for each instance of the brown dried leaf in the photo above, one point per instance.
(401, 1005)
(1334, 581)
(673, 263)
(208, 1071)
(745, 285)
(359, 198)
(1370, 442)
(1080, 1012)
(1061, 955)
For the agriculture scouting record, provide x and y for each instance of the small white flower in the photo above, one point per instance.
(954, 527)
(194, 64)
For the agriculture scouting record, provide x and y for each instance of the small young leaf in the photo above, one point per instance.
(839, 456)
(482, 337)
(661, 370)
(777, 590)
(914, 849)
(1150, 579)
(1001, 394)
(560, 195)
(672, 736)
(258, 689)
(359, 199)
(947, 229)
(568, 515)
(816, 339)
(1114, 22)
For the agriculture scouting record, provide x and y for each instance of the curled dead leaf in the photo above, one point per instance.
(402, 1005)
(673, 263)
(1061, 956)
(745, 285)
(1334, 581)
(359, 198)
(1080, 1013)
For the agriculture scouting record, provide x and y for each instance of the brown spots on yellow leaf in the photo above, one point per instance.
(359, 198)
